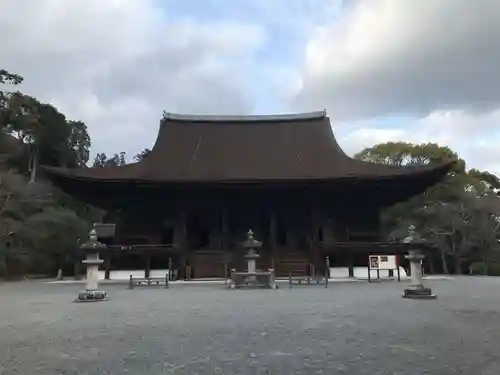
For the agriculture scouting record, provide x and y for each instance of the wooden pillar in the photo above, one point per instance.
(328, 229)
(115, 217)
(147, 265)
(107, 265)
(273, 237)
(225, 230)
(224, 241)
(180, 241)
(290, 234)
(315, 224)
(350, 263)
(378, 226)
(215, 238)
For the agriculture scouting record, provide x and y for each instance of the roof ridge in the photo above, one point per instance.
(245, 118)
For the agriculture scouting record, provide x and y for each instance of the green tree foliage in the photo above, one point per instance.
(11, 149)
(465, 230)
(57, 142)
(459, 215)
(6, 97)
(404, 153)
(39, 225)
(53, 234)
(78, 145)
(18, 114)
(491, 181)
(407, 154)
(102, 160)
(44, 133)
(118, 159)
(53, 140)
(36, 232)
(6, 77)
(142, 155)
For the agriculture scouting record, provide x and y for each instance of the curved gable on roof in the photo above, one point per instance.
(296, 147)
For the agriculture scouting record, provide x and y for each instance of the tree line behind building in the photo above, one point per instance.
(40, 226)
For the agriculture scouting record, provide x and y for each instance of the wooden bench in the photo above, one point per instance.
(298, 279)
(148, 281)
(307, 279)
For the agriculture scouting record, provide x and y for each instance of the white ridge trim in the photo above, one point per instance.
(245, 118)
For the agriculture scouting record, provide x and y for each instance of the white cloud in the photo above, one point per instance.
(435, 63)
(462, 132)
(295, 17)
(386, 57)
(366, 136)
(117, 64)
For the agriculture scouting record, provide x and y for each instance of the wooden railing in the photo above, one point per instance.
(143, 247)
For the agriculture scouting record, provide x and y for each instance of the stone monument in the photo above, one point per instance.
(250, 244)
(252, 278)
(415, 257)
(92, 263)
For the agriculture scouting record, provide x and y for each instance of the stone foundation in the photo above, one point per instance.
(252, 280)
(91, 296)
(419, 293)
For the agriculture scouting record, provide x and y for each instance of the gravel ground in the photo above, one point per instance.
(354, 328)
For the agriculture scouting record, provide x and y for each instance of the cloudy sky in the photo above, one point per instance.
(385, 70)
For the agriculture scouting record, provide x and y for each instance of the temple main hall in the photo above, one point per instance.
(209, 179)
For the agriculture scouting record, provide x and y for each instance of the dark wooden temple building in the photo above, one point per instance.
(209, 179)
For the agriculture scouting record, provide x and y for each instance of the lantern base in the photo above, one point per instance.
(92, 296)
(419, 293)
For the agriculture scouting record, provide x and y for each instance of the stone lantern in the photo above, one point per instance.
(251, 244)
(92, 263)
(415, 257)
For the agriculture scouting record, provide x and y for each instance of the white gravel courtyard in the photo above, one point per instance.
(352, 328)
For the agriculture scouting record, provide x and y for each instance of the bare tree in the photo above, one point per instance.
(451, 228)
